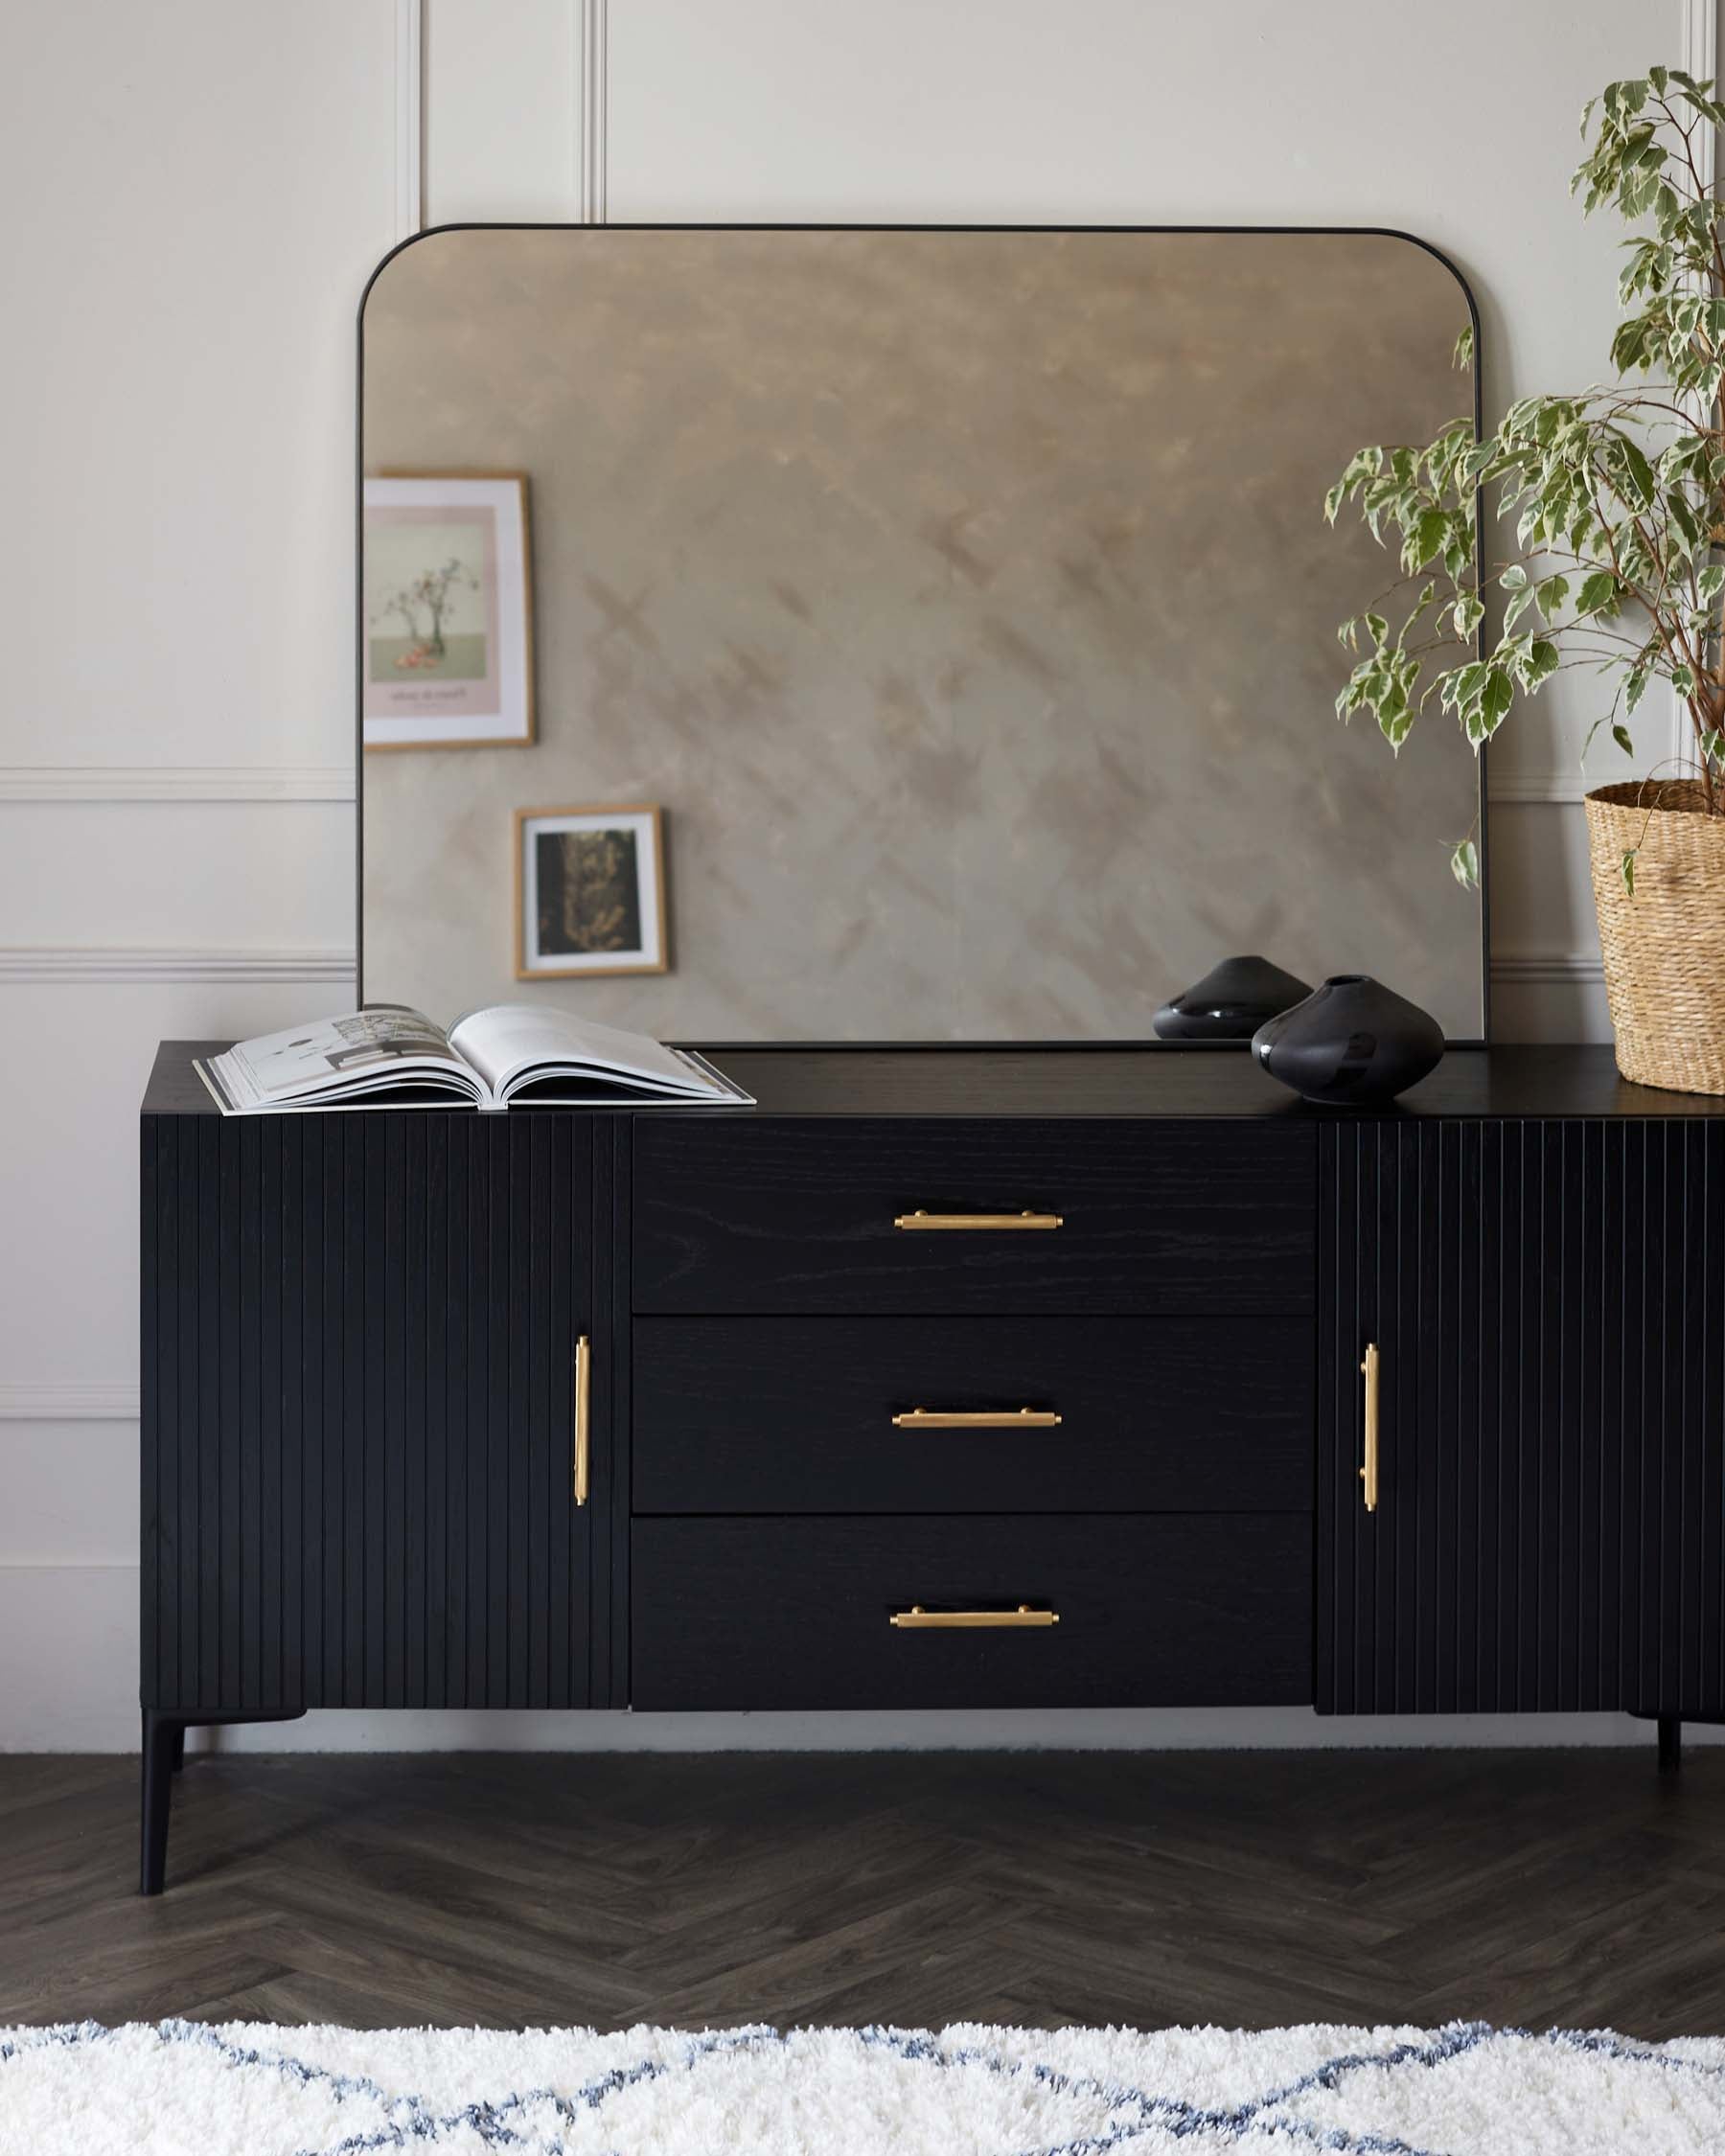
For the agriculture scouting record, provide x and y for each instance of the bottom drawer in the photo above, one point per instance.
(1204, 1609)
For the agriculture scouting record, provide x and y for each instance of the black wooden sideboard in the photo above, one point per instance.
(944, 1377)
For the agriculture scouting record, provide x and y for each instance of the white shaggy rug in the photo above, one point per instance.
(251, 2090)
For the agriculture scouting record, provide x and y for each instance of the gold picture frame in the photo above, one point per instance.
(608, 913)
(425, 685)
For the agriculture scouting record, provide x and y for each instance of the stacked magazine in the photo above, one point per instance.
(510, 1055)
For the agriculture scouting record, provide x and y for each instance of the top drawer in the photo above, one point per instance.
(798, 1216)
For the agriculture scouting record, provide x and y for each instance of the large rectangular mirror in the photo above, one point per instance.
(899, 634)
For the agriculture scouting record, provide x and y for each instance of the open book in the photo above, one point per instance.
(388, 1056)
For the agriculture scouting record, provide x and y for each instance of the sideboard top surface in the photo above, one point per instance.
(1512, 1082)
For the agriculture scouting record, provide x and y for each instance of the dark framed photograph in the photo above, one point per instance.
(589, 892)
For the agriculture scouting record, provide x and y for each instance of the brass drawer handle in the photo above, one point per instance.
(977, 1418)
(1368, 1474)
(918, 1620)
(583, 1393)
(1019, 1221)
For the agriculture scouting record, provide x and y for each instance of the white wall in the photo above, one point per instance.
(196, 192)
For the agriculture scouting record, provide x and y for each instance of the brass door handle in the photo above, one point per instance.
(977, 1418)
(977, 1221)
(584, 1397)
(1368, 1472)
(1024, 1619)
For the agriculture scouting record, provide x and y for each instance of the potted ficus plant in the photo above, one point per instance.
(1616, 499)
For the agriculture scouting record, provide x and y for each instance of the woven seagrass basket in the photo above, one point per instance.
(1664, 948)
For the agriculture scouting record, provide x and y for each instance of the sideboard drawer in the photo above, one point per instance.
(803, 1215)
(1191, 1610)
(797, 1414)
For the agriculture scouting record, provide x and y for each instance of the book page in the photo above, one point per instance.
(508, 1040)
(382, 1042)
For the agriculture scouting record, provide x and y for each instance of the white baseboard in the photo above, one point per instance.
(68, 1682)
(1220, 1729)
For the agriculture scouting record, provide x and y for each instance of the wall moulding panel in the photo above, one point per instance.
(505, 108)
(88, 1516)
(179, 565)
(74, 964)
(178, 875)
(409, 117)
(83, 965)
(594, 111)
(168, 782)
(1536, 789)
(72, 1402)
(69, 1178)
(86, 965)
(1516, 969)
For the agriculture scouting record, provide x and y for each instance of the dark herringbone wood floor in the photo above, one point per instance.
(1576, 1888)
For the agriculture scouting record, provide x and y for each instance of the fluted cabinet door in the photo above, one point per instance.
(1544, 1298)
(359, 1411)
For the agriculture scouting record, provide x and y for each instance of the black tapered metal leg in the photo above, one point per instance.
(163, 1734)
(1670, 1743)
(164, 1755)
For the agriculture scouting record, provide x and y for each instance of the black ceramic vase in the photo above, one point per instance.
(1230, 1003)
(1353, 1044)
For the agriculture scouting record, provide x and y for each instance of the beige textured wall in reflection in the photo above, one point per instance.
(965, 601)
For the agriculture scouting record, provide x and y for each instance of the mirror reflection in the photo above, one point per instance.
(890, 636)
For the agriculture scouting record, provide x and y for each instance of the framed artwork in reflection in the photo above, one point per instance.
(446, 657)
(589, 892)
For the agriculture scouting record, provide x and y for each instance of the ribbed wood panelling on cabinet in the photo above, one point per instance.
(358, 1335)
(1546, 1296)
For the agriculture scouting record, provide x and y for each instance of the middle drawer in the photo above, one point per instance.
(837, 1414)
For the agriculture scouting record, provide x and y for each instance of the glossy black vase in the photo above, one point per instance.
(1352, 1042)
(1230, 1003)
